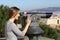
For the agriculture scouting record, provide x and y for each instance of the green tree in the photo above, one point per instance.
(3, 17)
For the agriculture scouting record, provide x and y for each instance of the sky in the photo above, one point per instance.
(30, 4)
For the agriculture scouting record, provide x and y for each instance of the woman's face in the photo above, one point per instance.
(17, 16)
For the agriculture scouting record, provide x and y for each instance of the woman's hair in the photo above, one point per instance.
(13, 12)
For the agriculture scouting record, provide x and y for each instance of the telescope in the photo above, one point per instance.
(34, 30)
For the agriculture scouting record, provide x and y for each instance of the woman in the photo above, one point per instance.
(11, 26)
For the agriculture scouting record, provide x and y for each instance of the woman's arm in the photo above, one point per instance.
(16, 30)
(19, 25)
(19, 32)
(28, 21)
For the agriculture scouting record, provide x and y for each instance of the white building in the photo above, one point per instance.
(54, 20)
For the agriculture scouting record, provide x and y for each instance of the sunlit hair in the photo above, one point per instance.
(13, 12)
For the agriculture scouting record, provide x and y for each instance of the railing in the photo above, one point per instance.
(19, 38)
(40, 38)
(2, 38)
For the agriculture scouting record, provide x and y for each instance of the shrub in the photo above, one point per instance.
(3, 17)
(50, 32)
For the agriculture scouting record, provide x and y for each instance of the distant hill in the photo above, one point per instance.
(44, 10)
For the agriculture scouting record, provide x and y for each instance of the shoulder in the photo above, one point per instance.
(9, 23)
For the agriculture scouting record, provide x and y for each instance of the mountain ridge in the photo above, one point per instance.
(47, 10)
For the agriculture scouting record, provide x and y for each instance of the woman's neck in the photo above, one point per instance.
(12, 19)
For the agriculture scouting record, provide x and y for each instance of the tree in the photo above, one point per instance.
(3, 17)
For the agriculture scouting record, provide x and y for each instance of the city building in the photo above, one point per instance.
(54, 20)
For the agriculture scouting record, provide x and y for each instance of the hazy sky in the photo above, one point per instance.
(31, 4)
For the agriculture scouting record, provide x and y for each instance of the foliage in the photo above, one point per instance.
(3, 17)
(50, 32)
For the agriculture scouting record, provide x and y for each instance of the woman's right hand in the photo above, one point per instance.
(28, 21)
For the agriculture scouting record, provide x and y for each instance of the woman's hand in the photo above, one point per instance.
(28, 21)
